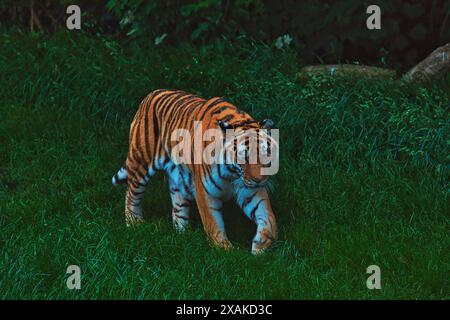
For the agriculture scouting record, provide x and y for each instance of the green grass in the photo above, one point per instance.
(363, 178)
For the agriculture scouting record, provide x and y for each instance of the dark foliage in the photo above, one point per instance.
(323, 31)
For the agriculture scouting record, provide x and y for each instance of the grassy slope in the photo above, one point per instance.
(363, 178)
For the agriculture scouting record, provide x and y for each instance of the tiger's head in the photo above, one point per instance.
(250, 150)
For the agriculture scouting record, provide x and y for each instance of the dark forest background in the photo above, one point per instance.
(321, 31)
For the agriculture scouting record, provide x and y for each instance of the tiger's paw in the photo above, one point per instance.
(258, 248)
(261, 242)
(132, 220)
(226, 244)
(223, 244)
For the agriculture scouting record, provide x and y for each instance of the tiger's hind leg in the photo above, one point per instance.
(138, 178)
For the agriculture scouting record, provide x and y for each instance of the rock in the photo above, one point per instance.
(350, 69)
(433, 66)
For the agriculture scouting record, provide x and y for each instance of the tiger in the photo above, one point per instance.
(159, 114)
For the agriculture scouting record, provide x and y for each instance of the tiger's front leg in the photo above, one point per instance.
(210, 209)
(256, 206)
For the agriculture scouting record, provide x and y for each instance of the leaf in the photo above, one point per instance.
(204, 26)
(160, 39)
(187, 10)
(133, 30)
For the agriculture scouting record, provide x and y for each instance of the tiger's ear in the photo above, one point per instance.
(224, 125)
(267, 124)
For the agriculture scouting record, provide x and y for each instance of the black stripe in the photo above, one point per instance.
(155, 123)
(245, 123)
(177, 96)
(227, 118)
(134, 213)
(185, 187)
(166, 161)
(175, 113)
(219, 100)
(252, 213)
(219, 110)
(206, 189)
(183, 205)
(187, 109)
(176, 103)
(167, 107)
(232, 168)
(219, 172)
(183, 124)
(248, 200)
(147, 107)
(208, 172)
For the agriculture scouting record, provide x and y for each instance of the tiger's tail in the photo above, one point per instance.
(120, 177)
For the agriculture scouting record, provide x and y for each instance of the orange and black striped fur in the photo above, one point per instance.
(150, 145)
